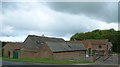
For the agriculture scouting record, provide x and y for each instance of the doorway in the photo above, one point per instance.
(89, 51)
(15, 54)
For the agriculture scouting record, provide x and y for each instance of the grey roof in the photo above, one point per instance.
(77, 46)
(64, 46)
(55, 44)
(44, 39)
(33, 41)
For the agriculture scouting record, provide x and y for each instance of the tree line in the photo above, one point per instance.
(112, 35)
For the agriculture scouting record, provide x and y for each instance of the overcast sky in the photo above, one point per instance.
(55, 19)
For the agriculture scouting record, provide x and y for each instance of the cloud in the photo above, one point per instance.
(6, 30)
(12, 38)
(23, 18)
(60, 0)
(106, 11)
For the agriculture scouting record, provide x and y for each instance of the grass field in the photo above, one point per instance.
(47, 61)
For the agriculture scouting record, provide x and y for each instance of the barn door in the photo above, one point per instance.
(89, 51)
(15, 54)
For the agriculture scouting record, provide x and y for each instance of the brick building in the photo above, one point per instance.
(100, 47)
(53, 48)
(12, 49)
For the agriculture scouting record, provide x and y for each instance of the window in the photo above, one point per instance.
(100, 46)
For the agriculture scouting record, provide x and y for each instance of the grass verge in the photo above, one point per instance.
(115, 53)
(47, 61)
(0, 58)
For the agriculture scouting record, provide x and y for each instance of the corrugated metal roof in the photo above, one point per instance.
(64, 46)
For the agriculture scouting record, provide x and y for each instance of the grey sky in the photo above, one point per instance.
(106, 11)
(58, 19)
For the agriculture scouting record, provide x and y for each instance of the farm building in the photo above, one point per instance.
(101, 47)
(12, 49)
(53, 48)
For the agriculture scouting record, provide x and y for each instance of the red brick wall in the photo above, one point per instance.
(68, 55)
(27, 54)
(43, 52)
(9, 48)
(8, 51)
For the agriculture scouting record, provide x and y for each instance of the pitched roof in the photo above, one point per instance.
(43, 38)
(33, 41)
(14, 45)
(64, 46)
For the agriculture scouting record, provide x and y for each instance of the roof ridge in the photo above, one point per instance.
(45, 37)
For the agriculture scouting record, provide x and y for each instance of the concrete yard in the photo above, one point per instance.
(112, 60)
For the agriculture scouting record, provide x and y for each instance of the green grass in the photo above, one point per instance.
(115, 53)
(47, 61)
(0, 58)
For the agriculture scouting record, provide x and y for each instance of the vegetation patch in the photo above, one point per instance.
(0, 58)
(116, 53)
(47, 61)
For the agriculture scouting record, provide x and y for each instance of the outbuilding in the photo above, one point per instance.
(49, 47)
(12, 49)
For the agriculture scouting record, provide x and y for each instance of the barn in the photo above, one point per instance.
(101, 47)
(12, 49)
(49, 47)
(66, 50)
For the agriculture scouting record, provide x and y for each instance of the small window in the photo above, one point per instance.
(100, 46)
